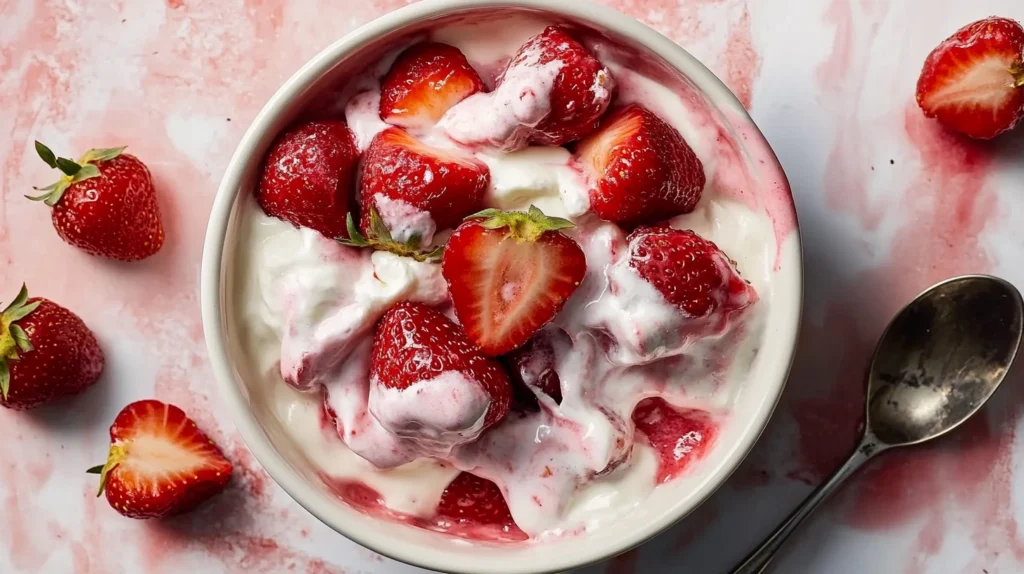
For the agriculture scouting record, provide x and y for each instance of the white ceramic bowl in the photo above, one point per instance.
(667, 503)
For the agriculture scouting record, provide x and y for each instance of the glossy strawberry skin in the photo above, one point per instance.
(581, 92)
(66, 358)
(425, 81)
(533, 279)
(448, 185)
(688, 270)
(114, 215)
(308, 177)
(472, 500)
(971, 81)
(640, 169)
(137, 495)
(416, 343)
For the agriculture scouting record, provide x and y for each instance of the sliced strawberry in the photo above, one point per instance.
(640, 169)
(160, 463)
(408, 175)
(307, 177)
(472, 500)
(532, 368)
(690, 271)
(581, 90)
(508, 274)
(416, 343)
(679, 436)
(972, 81)
(424, 82)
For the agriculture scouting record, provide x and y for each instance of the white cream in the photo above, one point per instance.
(404, 220)
(504, 118)
(570, 466)
(436, 414)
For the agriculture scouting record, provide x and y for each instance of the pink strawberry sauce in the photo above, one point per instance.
(680, 436)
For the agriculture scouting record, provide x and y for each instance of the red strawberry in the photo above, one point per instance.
(679, 436)
(972, 81)
(690, 271)
(159, 463)
(640, 169)
(46, 352)
(581, 91)
(508, 274)
(104, 204)
(424, 82)
(472, 500)
(416, 343)
(448, 184)
(532, 368)
(308, 175)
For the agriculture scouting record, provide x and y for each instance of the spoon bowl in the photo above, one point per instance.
(941, 358)
(936, 364)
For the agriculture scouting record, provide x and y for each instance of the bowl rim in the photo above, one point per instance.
(211, 287)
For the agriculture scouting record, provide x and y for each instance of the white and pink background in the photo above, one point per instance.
(888, 202)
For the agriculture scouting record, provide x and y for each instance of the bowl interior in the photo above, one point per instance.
(316, 90)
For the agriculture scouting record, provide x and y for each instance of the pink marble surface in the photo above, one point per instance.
(888, 204)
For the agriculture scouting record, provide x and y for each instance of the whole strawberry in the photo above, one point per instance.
(46, 352)
(691, 272)
(308, 177)
(159, 462)
(104, 204)
(425, 82)
(972, 82)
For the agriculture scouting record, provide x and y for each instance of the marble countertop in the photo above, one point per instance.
(888, 204)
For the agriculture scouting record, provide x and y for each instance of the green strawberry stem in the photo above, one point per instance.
(74, 171)
(12, 337)
(378, 236)
(114, 458)
(528, 226)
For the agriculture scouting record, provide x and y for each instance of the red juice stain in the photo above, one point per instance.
(741, 62)
(678, 436)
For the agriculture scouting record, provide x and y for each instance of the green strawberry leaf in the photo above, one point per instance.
(5, 378)
(98, 155)
(67, 166)
(95, 470)
(21, 338)
(47, 155)
(21, 312)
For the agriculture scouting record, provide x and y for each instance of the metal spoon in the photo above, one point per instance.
(937, 363)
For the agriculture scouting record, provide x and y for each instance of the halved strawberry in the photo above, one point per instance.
(159, 463)
(402, 174)
(640, 169)
(508, 274)
(424, 82)
(972, 81)
(472, 500)
(415, 343)
(691, 272)
(581, 90)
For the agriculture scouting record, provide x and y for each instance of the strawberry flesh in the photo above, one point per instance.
(971, 82)
(640, 169)
(307, 178)
(504, 289)
(447, 184)
(688, 270)
(424, 82)
(471, 500)
(679, 436)
(160, 463)
(63, 359)
(416, 343)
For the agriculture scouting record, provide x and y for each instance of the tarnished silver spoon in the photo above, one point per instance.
(937, 363)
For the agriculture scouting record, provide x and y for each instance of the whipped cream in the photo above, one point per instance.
(309, 305)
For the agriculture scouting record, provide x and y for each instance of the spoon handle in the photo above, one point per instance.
(758, 560)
